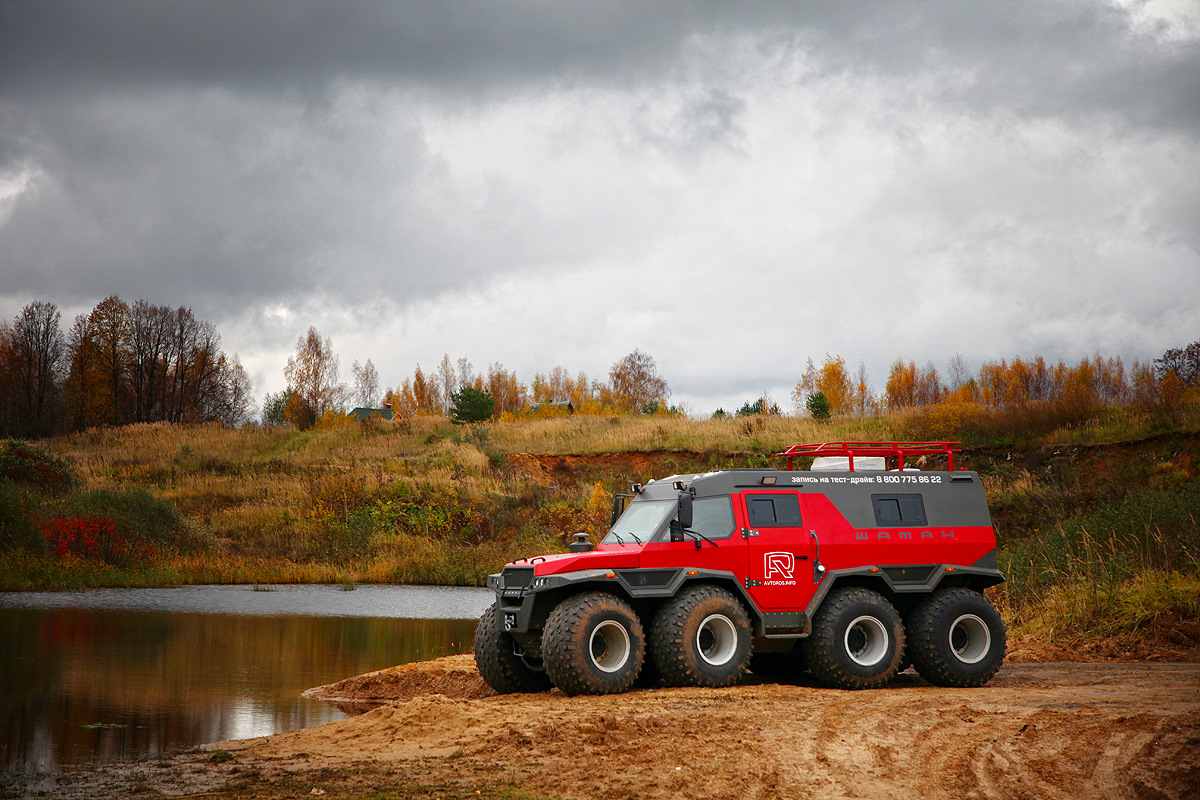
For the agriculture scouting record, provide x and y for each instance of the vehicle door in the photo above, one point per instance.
(714, 542)
(779, 572)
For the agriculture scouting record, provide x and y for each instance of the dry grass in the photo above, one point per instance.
(424, 501)
(1081, 609)
(760, 434)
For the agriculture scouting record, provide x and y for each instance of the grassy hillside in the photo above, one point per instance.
(1099, 523)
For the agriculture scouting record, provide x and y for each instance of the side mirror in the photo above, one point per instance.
(676, 531)
(618, 507)
(684, 514)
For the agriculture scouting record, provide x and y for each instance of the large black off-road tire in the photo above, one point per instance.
(593, 644)
(785, 666)
(498, 662)
(857, 640)
(956, 638)
(701, 637)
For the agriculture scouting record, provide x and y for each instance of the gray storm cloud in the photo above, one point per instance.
(553, 183)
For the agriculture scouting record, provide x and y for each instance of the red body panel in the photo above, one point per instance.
(775, 564)
(605, 557)
(843, 546)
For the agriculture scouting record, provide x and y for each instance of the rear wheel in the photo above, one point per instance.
(701, 637)
(593, 644)
(956, 638)
(857, 640)
(498, 662)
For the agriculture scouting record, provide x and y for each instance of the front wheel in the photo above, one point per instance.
(857, 640)
(497, 659)
(593, 644)
(956, 638)
(701, 637)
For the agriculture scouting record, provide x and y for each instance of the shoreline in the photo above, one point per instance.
(1049, 728)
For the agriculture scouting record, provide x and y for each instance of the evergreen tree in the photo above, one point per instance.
(471, 405)
(818, 406)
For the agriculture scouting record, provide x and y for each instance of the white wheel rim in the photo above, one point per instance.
(866, 641)
(970, 639)
(608, 646)
(716, 639)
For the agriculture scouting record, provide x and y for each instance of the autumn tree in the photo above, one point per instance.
(636, 383)
(366, 384)
(908, 386)
(466, 374)
(34, 355)
(555, 387)
(274, 408)
(109, 325)
(831, 380)
(425, 392)
(151, 340)
(805, 386)
(958, 374)
(402, 400)
(862, 398)
(235, 402)
(447, 382)
(1144, 385)
(9, 417)
(1183, 361)
(507, 390)
(77, 389)
(312, 376)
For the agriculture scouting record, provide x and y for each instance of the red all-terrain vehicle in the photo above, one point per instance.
(850, 570)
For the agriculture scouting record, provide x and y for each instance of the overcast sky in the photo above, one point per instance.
(731, 187)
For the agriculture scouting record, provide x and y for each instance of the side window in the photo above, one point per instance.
(713, 517)
(773, 510)
(898, 509)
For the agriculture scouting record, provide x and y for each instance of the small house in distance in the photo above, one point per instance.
(364, 414)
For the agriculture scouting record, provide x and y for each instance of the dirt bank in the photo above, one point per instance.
(456, 677)
(1046, 730)
(1039, 730)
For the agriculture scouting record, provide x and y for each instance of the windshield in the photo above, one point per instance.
(639, 522)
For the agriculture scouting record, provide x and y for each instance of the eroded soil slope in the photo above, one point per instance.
(1059, 730)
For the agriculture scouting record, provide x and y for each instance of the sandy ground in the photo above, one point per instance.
(1038, 730)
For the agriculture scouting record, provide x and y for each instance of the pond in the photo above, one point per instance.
(120, 673)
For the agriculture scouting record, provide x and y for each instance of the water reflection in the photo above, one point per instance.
(82, 684)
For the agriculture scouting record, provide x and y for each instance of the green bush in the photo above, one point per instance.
(22, 462)
(17, 531)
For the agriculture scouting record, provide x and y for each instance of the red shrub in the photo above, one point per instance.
(93, 538)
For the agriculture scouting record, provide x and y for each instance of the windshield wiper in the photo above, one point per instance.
(635, 538)
(701, 535)
(617, 536)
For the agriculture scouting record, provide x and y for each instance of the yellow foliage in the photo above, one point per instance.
(599, 505)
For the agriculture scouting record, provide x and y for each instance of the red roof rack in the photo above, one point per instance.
(853, 450)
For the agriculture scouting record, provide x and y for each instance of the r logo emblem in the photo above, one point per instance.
(779, 565)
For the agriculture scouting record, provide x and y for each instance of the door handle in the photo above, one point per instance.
(818, 567)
